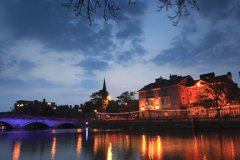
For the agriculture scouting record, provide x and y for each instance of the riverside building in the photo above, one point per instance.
(175, 97)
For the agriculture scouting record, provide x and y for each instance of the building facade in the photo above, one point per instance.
(25, 106)
(175, 97)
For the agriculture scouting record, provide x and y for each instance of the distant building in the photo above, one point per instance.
(25, 106)
(174, 97)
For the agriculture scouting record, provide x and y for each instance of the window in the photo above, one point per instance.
(174, 100)
(183, 100)
(162, 101)
(164, 92)
(190, 92)
(147, 103)
(168, 101)
(191, 101)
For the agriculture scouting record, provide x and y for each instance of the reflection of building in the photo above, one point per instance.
(29, 105)
(174, 97)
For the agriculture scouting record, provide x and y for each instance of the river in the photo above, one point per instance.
(93, 144)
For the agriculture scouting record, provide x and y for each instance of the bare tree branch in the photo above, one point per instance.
(112, 8)
(181, 7)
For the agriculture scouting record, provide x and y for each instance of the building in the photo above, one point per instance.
(175, 97)
(32, 107)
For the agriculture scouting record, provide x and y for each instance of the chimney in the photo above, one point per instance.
(207, 76)
(230, 74)
(44, 101)
(173, 77)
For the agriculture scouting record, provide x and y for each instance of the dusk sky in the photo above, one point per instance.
(46, 53)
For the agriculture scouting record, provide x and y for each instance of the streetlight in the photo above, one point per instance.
(96, 113)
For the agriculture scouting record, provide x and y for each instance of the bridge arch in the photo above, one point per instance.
(7, 125)
(67, 125)
(36, 125)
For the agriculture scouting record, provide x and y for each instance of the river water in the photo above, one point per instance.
(89, 144)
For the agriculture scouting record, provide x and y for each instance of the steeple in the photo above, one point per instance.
(104, 86)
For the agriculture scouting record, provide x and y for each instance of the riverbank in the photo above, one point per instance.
(192, 123)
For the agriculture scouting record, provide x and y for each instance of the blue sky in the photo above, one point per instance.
(46, 53)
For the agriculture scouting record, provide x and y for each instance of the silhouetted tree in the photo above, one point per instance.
(125, 100)
(180, 7)
(113, 107)
(97, 102)
(217, 95)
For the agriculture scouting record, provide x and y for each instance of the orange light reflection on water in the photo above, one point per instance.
(53, 151)
(232, 149)
(95, 146)
(79, 146)
(109, 153)
(143, 145)
(159, 150)
(16, 151)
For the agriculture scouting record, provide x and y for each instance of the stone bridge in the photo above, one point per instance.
(21, 122)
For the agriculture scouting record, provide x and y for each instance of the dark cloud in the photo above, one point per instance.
(33, 83)
(92, 65)
(25, 66)
(212, 49)
(124, 57)
(130, 29)
(216, 10)
(210, 40)
(55, 26)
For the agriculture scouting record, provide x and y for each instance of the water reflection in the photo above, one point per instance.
(16, 150)
(109, 152)
(53, 151)
(79, 145)
(120, 145)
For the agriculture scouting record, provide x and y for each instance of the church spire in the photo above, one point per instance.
(104, 85)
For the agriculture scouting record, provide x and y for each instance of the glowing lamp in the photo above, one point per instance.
(108, 98)
(142, 108)
(79, 110)
(198, 84)
(95, 110)
(157, 107)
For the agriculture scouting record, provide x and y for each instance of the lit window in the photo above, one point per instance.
(190, 91)
(191, 101)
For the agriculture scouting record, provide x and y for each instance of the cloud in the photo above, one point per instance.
(216, 10)
(211, 49)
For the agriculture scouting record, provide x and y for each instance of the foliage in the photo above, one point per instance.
(113, 107)
(125, 100)
(97, 102)
(112, 8)
(217, 95)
